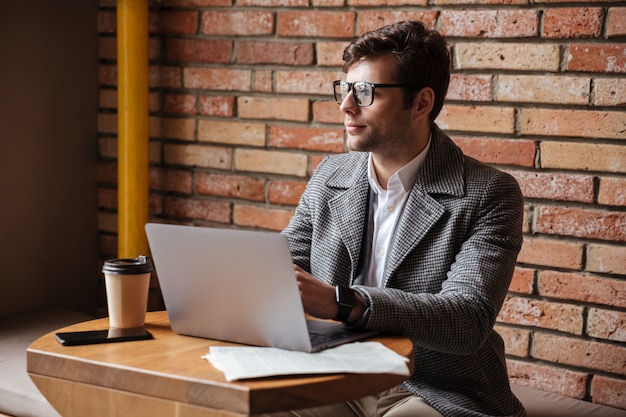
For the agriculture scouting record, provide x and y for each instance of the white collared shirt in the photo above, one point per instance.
(387, 207)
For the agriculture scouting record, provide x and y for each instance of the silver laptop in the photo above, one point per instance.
(237, 286)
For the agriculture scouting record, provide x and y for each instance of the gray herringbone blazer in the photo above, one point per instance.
(447, 273)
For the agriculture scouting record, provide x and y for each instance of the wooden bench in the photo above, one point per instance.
(539, 403)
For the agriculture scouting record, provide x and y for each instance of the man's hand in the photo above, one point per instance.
(318, 298)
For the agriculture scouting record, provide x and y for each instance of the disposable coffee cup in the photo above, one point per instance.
(127, 281)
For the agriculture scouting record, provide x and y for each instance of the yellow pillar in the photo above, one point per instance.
(133, 186)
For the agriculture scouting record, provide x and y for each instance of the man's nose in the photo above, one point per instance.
(348, 105)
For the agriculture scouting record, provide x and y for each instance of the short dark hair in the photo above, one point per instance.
(421, 56)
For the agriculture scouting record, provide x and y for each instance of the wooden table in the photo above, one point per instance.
(167, 377)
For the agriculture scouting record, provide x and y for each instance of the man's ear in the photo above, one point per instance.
(424, 102)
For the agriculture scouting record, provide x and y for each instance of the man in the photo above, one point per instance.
(405, 234)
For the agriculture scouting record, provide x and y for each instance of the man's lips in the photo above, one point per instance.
(353, 127)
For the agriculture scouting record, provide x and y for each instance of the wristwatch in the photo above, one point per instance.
(346, 300)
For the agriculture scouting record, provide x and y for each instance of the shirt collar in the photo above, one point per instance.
(407, 174)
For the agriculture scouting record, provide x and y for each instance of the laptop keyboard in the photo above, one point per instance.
(323, 338)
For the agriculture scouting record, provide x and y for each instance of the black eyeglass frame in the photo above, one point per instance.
(339, 99)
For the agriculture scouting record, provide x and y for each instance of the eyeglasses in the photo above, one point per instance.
(362, 91)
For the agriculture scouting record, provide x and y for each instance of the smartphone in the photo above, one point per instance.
(102, 336)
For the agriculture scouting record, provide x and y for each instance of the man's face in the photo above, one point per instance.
(384, 127)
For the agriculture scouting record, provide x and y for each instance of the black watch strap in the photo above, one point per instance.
(346, 300)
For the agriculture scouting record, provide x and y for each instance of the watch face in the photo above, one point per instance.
(346, 297)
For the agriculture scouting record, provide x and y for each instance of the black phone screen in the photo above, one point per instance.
(102, 336)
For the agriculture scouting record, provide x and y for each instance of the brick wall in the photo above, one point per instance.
(241, 113)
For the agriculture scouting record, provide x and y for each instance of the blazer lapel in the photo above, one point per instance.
(441, 174)
(348, 209)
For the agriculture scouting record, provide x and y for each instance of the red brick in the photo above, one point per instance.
(262, 217)
(174, 22)
(107, 74)
(374, 19)
(285, 192)
(330, 54)
(108, 246)
(612, 191)
(607, 259)
(273, 108)
(163, 127)
(155, 152)
(262, 81)
(323, 24)
(597, 58)
(383, 3)
(548, 378)
(573, 22)
(107, 123)
(616, 23)
(169, 77)
(198, 155)
(198, 50)
(315, 161)
(107, 21)
(272, 3)
(470, 87)
(107, 198)
(548, 315)
(107, 172)
(607, 324)
(543, 89)
(171, 180)
(498, 2)
(583, 156)
(485, 119)
(180, 103)
(609, 391)
(609, 91)
(584, 288)
(518, 23)
(519, 152)
(327, 3)
(235, 186)
(223, 79)
(107, 47)
(191, 3)
(219, 106)
(327, 112)
(516, 341)
(315, 139)
(522, 281)
(577, 123)
(271, 162)
(237, 22)
(275, 53)
(590, 224)
(155, 202)
(506, 56)
(550, 252)
(232, 132)
(556, 186)
(526, 219)
(583, 353)
(187, 208)
(107, 222)
(306, 82)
